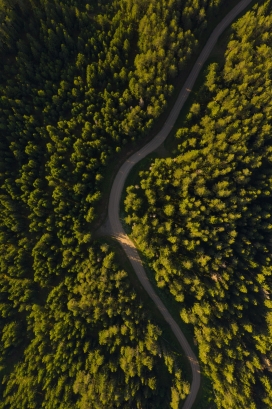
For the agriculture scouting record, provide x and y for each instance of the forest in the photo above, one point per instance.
(203, 217)
(79, 80)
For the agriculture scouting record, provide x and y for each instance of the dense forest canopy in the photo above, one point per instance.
(203, 218)
(88, 345)
(78, 80)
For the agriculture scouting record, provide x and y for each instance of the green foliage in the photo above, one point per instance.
(78, 80)
(206, 218)
(89, 344)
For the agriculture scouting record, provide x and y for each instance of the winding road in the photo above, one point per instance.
(114, 202)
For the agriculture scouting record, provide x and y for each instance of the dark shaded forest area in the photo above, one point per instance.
(203, 218)
(78, 81)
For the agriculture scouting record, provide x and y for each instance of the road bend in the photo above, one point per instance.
(118, 185)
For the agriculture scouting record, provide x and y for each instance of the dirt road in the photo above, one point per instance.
(114, 203)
